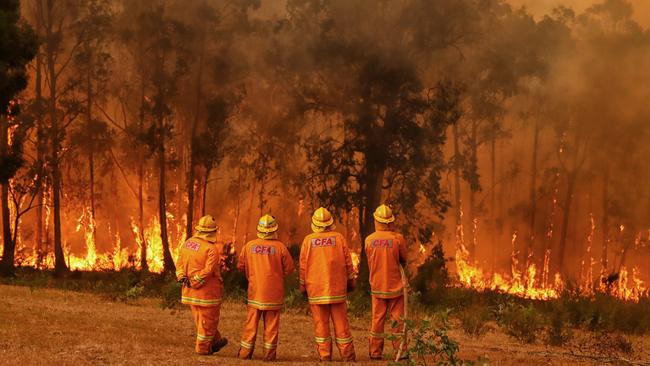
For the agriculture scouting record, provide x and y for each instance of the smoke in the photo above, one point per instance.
(574, 79)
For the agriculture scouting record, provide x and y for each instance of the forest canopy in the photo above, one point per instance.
(501, 133)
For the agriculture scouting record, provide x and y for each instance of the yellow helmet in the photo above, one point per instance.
(322, 218)
(206, 224)
(384, 214)
(267, 224)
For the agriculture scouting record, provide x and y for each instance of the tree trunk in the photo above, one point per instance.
(204, 195)
(472, 194)
(371, 199)
(60, 265)
(533, 194)
(8, 250)
(144, 266)
(457, 194)
(605, 223)
(568, 203)
(237, 207)
(189, 229)
(168, 262)
(197, 112)
(91, 154)
(493, 176)
(250, 210)
(40, 155)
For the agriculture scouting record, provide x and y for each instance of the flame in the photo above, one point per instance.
(355, 261)
(116, 258)
(529, 284)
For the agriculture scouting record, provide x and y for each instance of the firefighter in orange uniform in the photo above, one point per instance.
(386, 251)
(198, 268)
(326, 275)
(266, 261)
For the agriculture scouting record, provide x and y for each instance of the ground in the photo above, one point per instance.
(54, 327)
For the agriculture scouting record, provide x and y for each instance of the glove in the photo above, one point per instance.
(351, 285)
(184, 281)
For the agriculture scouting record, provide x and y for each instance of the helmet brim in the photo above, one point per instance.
(204, 229)
(322, 223)
(267, 230)
(384, 220)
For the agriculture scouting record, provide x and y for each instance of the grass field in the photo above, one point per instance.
(56, 327)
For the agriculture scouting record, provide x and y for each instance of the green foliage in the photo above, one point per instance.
(133, 293)
(521, 322)
(430, 343)
(170, 294)
(359, 302)
(18, 47)
(474, 320)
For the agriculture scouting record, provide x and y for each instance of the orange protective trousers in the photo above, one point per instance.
(271, 329)
(394, 308)
(206, 319)
(321, 315)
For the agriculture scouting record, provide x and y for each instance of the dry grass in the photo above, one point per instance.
(53, 327)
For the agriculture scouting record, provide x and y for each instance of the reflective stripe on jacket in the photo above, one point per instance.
(199, 260)
(325, 267)
(265, 262)
(385, 249)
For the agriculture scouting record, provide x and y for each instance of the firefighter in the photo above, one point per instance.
(326, 276)
(266, 261)
(199, 270)
(386, 251)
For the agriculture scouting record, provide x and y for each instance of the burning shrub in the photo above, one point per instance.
(474, 320)
(432, 277)
(521, 322)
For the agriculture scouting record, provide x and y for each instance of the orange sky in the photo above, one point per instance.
(539, 7)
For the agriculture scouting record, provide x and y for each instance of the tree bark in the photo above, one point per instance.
(60, 265)
(605, 222)
(457, 193)
(371, 199)
(91, 154)
(144, 266)
(533, 193)
(9, 247)
(568, 203)
(197, 112)
(40, 155)
(472, 194)
(168, 262)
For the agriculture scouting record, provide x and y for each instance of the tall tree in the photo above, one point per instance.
(18, 47)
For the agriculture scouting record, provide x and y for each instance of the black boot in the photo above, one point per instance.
(219, 344)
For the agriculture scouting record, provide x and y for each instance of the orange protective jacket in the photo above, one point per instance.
(200, 261)
(266, 262)
(385, 251)
(325, 267)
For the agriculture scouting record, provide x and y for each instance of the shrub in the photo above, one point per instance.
(170, 295)
(607, 344)
(359, 302)
(133, 293)
(430, 344)
(432, 278)
(521, 322)
(474, 320)
(559, 332)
